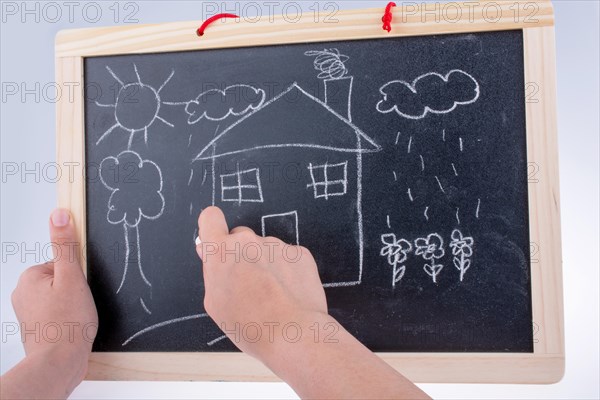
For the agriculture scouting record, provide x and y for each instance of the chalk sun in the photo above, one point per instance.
(136, 108)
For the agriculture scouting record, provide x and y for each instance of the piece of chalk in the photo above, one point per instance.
(198, 241)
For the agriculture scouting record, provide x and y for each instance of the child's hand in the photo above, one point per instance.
(53, 303)
(254, 286)
(251, 279)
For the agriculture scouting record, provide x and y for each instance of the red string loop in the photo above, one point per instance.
(387, 17)
(200, 31)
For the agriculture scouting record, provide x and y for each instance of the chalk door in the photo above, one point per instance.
(283, 226)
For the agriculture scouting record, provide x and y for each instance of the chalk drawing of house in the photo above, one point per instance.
(292, 169)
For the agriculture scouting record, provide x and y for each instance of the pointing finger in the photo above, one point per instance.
(239, 229)
(212, 228)
(212, 225)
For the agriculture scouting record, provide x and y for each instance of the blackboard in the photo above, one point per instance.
(401, 163)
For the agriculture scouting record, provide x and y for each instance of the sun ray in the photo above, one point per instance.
(115, 76)
(105, 105)
(131, 134)
(164, 121)
(112, 128)
(137, 74)
(165, 82)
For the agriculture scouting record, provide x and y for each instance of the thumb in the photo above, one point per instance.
(65, 246)
(212, 228)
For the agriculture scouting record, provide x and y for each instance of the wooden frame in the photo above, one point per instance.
(535, 18)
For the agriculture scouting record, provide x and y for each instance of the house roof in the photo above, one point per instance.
(308, 122)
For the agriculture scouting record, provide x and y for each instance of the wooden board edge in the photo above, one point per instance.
(409, 20)
(544, 193)
(70, 144)
(513, 368)
(420, 368)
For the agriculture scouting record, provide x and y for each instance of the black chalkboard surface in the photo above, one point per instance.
(401, 163)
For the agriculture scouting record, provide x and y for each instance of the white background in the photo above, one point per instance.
(28, 134)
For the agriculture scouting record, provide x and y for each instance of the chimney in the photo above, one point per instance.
(338, 95)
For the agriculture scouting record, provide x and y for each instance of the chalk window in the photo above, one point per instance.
(242, 186)
(329, 179)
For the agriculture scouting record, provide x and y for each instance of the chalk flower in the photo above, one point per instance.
(395, 250)
(462, 249)
(431, 247)
(460, 244)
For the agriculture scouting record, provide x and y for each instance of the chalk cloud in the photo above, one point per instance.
(429, 93)
(217, 104)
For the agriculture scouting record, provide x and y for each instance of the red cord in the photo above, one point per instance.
(200, 31)
(387, 17)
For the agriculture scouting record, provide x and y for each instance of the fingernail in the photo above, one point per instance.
(60, 217)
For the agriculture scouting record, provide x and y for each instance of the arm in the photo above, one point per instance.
(51, 374)
(53, 298)
(274, 288)
(339, 368)
(342, 369)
